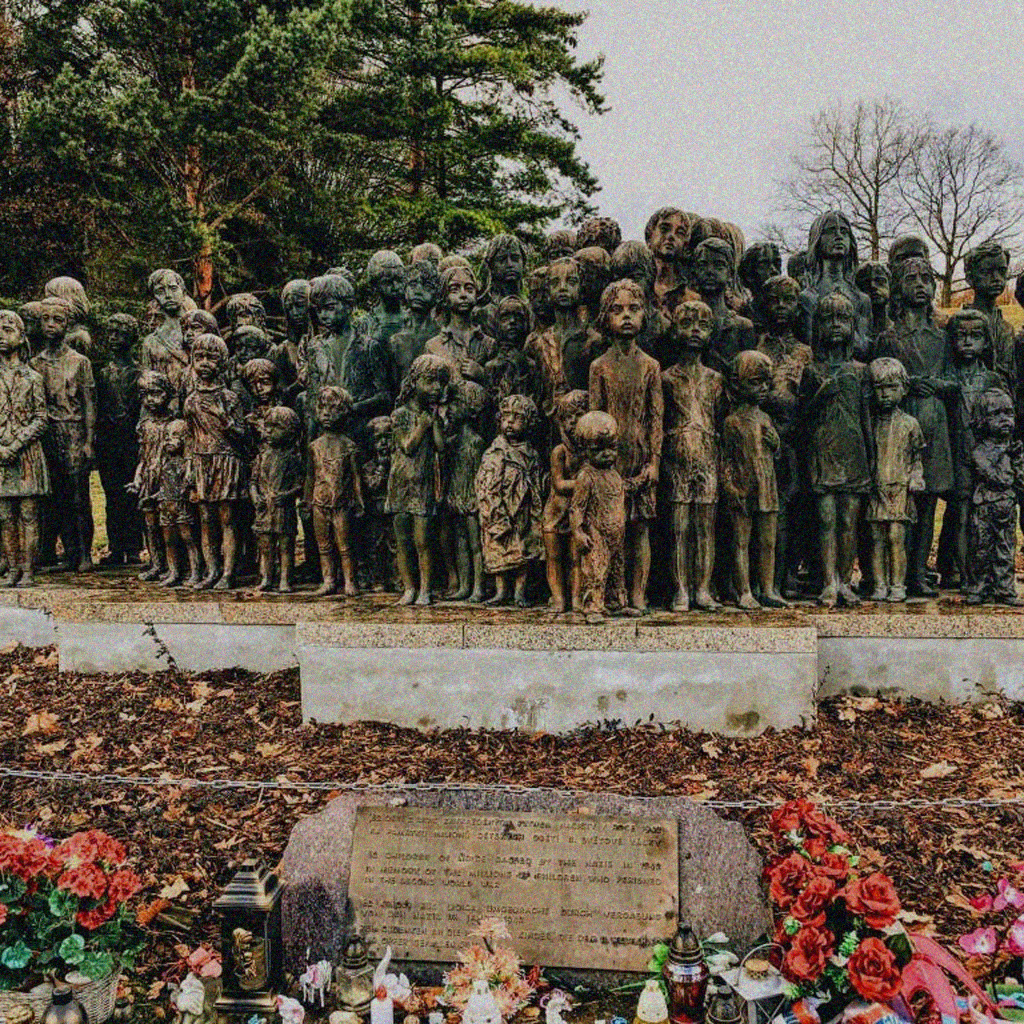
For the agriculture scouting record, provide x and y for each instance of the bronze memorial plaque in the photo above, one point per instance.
(587, 892)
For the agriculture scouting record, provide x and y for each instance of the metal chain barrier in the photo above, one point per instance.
(291, 786)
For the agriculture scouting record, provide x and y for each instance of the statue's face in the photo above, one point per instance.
(712, 271)
(334, 312)
(835, 242)
(53, 322)
(888, 393)
(419, 294)
(625, 314)
(121, 338)
(250, 346)
(11, 337)
(670, 235)
(1000, 418)
(330, 410)
(513, 424)
(263, 388)
(154, 399)
(693, 327)
(461, 295)
(602, 452)
(969, 341)
(206, 364)
(507, 266)
(877, 286)
(276, 432)
(757, 387)
(169, 296)
(835, 330)
(296, 306)
(760, 266)
(247, 316)
(564, 285)
(513, 324)
(174, 442)
(917, 287)
(781, 305)
(429, 389)
(988, 276)
(391, 283)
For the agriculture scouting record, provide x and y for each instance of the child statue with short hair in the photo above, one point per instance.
(714, 275)
(275, 486)
(417, 450)
(835, 412)
(509, 492)
(334, 490)
(421, 291)
(461, 342)
(694, 400)
(24, 479)
(597, 518)
(382, 567)
(117, 413)
(566, 461)
(997, 473)
(219, 436)
(176, 511)
(899, 473)
(749, 445)
(156, 394)
(511, 371)
(162, 349)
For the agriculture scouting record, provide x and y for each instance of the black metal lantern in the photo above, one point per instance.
(250, 929)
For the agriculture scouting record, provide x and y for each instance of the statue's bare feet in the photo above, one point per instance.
(171, 580)
(703, 599)
(207, 582)
(879, 594)
(10, 578)
(477, 597)
(848, 596)
(408, 597)
(264, 585)
(194, 582)
(325, 588)
(458, 595)
(499, 600)
(828, 597)
(154, 572)
(27, 579)
(681, 602)
(748, 602)
(424, 598)
(773, 599)
(594, 618)
(224, 583)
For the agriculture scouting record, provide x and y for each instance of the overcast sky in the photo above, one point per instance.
(708, 99)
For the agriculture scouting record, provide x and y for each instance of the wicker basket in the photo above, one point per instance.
(97, 997)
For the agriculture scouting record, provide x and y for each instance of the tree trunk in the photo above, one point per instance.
(202, 259)
(946, 295)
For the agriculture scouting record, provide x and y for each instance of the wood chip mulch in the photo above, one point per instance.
(187, 842)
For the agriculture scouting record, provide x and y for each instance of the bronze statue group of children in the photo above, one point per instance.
(673, 417)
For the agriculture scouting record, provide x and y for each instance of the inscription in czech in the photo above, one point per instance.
(587, 892)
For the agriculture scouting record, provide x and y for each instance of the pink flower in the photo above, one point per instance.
(982, 903)
(1014, 941)
(980, 942)
(1009, 896)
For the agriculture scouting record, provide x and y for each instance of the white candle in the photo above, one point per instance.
(382, 1009)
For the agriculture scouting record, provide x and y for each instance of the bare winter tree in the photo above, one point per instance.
(853, 159)
(962, 189)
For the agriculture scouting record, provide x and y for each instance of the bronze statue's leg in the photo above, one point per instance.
(879, 552)
(741, 529)
(827, 545)
(211, 550)
(229, 544)
(9, 534)
(348, 566)
(681, 555)
(421, 538)
(84, 522)
(553, 565)
(520, 587)
(767, 534)
(448, 541)
(189, 541)
(402, 523)
(705, 518)
(848, 508)
(264, 549)
(174, 569)
(322, 531)
(641, 545)
(286, 558)
(922, 533)
(898, 561)
(477, 558)
(29, 516)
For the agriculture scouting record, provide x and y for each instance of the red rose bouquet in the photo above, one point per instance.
(836, 924)
(63, 906)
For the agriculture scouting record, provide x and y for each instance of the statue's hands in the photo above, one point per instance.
(916, 483)
(647, 475)
(583, 542)
(471, 368)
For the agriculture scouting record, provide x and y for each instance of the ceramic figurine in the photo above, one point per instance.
(117, 413)
(315, 982)
(421, 292)
(69, 441)
(651, 1007)
(835, 412)
(714, 272)
(694, 402)
(503, 270)
(64, 1008)
(396, 985)
(461, 342)
(291, 1010)
(334, 489)
(176, 511)
(481, 1006)
(597, 518)
(566, 460)
(162, 349)
(510, 499)
(218, 436)
(625, 382)
(190, 1002)
(899, 474)
(156, 393)
(417, 446)
(749, 445)
(997, 474)
(468, 407)
(668, 235)
(276, 484)
(24, 479)
(554, 1004)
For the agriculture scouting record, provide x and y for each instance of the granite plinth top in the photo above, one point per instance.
(380, 621)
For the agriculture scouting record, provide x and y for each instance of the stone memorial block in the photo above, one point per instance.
(580, 891)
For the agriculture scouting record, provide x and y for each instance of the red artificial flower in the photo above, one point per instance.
(124, 884)
(809, 907)
(819, 824)
(874, 972)
(834, 866)
(788, 817)
(806, 958)
(92, 919)
(874, 899)
(86, 881)
(786, 878)
(815, 848)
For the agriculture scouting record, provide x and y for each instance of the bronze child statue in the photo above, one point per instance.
(69, 442)
(24, 479)
(668, 235)
(694, 400)
(749, 444)
(597, 518)
(997, 471)
(421, 291)
(834, 408)
(162, 349)
(874, 280)
(509, 495)
(385, 274)
(218, 438)
(464, 346)
(156, 394)
(334, 490)
(566, 461)
(417, 450)
(625, 382)
(714, 274)
(511, 371)
(275, 486)
(759, 263)
(380, 556)
(177, 513)
(504, 267)
(987, 269)
(899, 473)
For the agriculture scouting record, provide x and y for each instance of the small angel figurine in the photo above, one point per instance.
(651, 1008)
(481, 1007)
